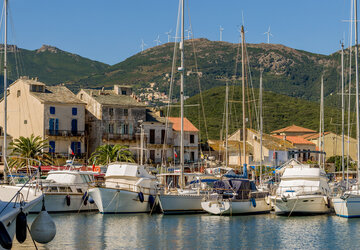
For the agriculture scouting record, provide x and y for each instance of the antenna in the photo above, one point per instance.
(268, 35)
(221, 29)
(143, 45)
(157, 40)
(169, 35)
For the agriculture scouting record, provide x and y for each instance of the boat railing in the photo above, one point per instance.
(124, 186)
(220, 193)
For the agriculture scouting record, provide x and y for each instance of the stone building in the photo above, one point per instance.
(52, 112)
(112, 117)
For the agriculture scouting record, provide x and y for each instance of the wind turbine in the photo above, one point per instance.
(169, 35)
(221, 30)
(268, 35)
(143, 45)
(157, 40)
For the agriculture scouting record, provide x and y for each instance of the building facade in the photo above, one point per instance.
(51, 112)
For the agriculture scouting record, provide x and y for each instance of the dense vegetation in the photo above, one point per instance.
(278, 111)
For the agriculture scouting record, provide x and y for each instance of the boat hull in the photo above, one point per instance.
(111, 200)
(181, 203)
(302, 205)
(56, 203)
(348, 208)
(228, 207)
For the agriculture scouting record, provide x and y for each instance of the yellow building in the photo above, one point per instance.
(52, 112)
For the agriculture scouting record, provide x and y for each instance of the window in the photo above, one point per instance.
(126, 112)
(74, 111)
(74, 126)
(152, 155)
(52, 147)
(52, 110)
(53, 126)
(111, 128)
(18, 93)
(152, 136)
(76, 147)
(111, 111)
(123, 92)
(192, 156)
(126, 129)
(25, 121)
(192, 138)
(162, 136)
(81, 96)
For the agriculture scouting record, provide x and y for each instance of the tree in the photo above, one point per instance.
(105, 154)
(29, 151)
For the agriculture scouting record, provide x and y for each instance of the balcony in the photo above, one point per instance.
(116, 137)
(64, 133)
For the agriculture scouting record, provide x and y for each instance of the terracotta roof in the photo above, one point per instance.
(188, 126)
(295, 139)
(313, 136)
(294, 128)
(109, 97)
(233, 146)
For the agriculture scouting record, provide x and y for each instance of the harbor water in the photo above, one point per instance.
(142, 231)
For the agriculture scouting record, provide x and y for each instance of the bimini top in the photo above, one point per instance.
(234, 186)
(126, 169)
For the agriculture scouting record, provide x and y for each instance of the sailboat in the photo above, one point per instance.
(181, 200)
(237, 195)
(348, 204)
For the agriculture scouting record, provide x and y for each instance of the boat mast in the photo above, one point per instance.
(243, 91)
(261, 127)
(357, 91)
(226, 123)
(5, 93)
(182, 70)
(342, 112)
(321, 130)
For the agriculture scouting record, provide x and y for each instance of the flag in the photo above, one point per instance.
(70, 152)
(175, 154)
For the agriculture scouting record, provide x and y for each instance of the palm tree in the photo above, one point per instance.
(105, 154)
(26, 150)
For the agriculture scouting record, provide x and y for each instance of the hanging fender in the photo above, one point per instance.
(151, 200)
(68, 201)
(141, 197)
(253, 202)
(86, 200)
(5, 239)
(84, 196)
(21, 227)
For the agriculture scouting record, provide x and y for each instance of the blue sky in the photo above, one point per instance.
(111, 30)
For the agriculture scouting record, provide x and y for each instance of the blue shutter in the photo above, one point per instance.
(79, 148)
(52, 147)
(51, 124)
(73, 147)
(52, 110)
(56, 126)
(74, 126)
(74, 111)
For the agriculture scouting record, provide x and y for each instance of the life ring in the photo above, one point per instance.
(68, 201)
(21, 226)
(97, 169)
(141, 197)
(5, 239)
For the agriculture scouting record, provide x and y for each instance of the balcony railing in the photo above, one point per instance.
(110, 136)
(65, 133)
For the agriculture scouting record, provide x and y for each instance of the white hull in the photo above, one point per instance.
(181, 203)
(8, 216)
(111, 200)
(348, 208)
(307, 204)
(57, 203)
(226, 207)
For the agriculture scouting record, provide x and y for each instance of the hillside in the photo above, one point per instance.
(50, 64)
(287, 71)
(279, 111)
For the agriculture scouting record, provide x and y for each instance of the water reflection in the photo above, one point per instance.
(95, 231)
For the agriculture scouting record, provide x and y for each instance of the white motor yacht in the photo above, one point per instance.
(302, 190)
(128, 188)
(348, 204)
(66, 191)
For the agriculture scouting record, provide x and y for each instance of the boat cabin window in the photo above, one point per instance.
(79, 190)
(64, 189)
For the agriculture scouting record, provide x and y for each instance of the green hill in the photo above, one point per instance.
(278, 111)
(51, 65)
(287, 71)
